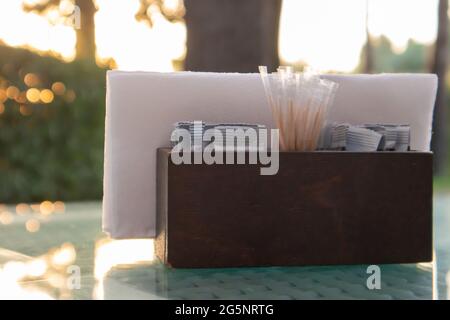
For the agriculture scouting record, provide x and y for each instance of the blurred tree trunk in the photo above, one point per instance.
(439, 67)
(232, 35)
(85, 46)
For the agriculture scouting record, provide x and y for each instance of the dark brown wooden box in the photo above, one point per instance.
(321, 208)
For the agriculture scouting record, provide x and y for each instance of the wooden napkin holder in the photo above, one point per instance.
(322, 208)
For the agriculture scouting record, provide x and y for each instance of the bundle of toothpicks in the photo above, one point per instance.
(300, 103)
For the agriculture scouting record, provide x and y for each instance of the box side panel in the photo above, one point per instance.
(160, 241)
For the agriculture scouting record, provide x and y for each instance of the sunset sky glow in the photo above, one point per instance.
(326, 34)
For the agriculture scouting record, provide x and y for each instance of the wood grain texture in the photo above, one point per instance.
(321, 208)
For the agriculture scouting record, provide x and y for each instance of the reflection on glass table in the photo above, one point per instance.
(57, 251)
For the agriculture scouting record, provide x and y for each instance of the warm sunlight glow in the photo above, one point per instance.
(36, 268)
(329, 35)
(132, 44)
(18, 28)
(401, 20)
(64, 256)
(326, 34)
(111, 253)
(47, 273)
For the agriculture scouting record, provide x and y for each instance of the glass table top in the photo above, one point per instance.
(57, 251)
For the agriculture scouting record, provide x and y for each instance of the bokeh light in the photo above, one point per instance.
(3, 96)
(31, 80)
(21, 97)
(46, 96)
(59, 88)
(36, 207)
(12, 92)
(70, 96)
(59, 207)
(47, 207)
(33, 95)
(22, 208)
(32, 225)
(25, 110)
(6, 217)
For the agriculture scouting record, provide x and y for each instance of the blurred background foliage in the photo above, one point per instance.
(51, 128)
(52, 111)
(415, 58)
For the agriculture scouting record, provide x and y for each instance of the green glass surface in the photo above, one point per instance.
(125, 269)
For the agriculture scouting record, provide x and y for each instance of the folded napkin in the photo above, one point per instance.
(141, 108)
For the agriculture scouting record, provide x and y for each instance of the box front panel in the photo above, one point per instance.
(321, 208)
